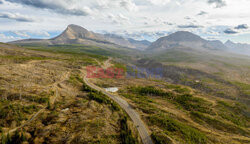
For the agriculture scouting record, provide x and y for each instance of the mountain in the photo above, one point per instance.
(143, 44)
(75, 34)
(216, 44)
(128, 42)
(185, 39)
(238, 48)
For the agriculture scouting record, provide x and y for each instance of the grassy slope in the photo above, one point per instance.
(233, 69)
(177, 113)
(124, 53)
(30, 80)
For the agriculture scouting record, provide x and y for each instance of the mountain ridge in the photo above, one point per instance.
(238, 48)
(185, 39)
(75, 34)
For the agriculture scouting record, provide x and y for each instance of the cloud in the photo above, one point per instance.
(190, 26)
(21, 34)
(40, 33)
(7, 38)
(62, 6)
(202, 13)
(168, 23)
(16, 17)
(118, 19)
(1, 2)
(242, 26)
(122, 17)
(187, 18)
(142, 35)
(128, 5)
(159, 2)
(218, 3)
(28, 33)
(230, 31)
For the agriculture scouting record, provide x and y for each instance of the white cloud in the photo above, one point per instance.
(16, 17)
(134, 16)
(28, 33)
(217, 3)
(118, 19)
(128, 5)
(21, 34)
(4, 38)
(159, 2)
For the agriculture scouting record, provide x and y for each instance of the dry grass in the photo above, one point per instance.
(52, 82)
(151, 105)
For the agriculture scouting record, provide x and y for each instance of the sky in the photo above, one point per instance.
(139, 19)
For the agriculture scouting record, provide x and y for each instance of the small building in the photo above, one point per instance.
(111, 89)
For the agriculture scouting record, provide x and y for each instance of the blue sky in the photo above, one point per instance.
(139, 19)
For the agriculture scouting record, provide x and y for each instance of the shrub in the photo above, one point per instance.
(179, 89)
(126, 133)
(100, 97)
(17, 138)
(30, 109)
(191, 103)
(160, 138)
(86, 88)
(148, 90)
(234, 112)
(190, 135)
(15, 112)
(75, 79)
(215, 123)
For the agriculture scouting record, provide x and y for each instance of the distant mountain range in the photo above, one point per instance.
(238, 47)
(185, 39)
(75, 34)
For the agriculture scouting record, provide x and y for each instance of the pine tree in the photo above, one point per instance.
(8, 139)
(3, 139)
(49, 106)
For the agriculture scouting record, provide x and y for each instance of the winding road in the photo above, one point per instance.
(141, 127)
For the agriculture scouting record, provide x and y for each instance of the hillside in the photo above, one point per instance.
(181, 114)
(200, 95)
(177, 108)
(43, 100)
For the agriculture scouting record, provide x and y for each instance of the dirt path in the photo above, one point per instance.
(52, 101)
(107, 64)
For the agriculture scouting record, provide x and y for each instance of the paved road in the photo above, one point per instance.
(141, 127)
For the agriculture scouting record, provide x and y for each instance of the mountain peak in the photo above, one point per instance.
(229, 42)
(75, 32)
(185, 39)
(76, 27)
(183, 36)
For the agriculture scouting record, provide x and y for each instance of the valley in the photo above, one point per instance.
(201, 94)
